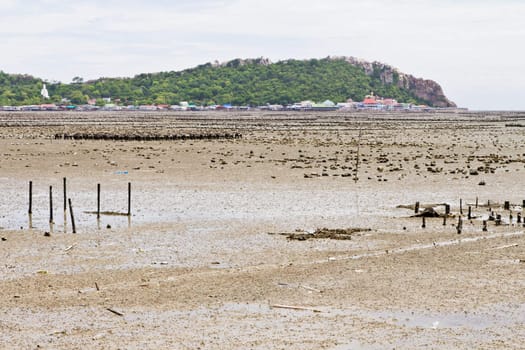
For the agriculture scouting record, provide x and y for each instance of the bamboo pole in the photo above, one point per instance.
(50, 204)
(30, 211)
(72, 216)
(129, 198)
(98, 201)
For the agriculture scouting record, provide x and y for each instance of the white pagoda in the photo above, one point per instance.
(44, 92)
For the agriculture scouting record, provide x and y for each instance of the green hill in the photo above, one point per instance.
(239, 82)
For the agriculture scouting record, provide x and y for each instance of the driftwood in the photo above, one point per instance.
(106, 213)
(301, 286)
(292, 307)
(413, 206)
(70, 247)
(310, 288)
(115, 312)
(504, 246)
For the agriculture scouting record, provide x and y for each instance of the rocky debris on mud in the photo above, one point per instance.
(341, 234)
(428, 213)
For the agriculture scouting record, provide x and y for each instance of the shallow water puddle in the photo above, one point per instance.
(488, 317)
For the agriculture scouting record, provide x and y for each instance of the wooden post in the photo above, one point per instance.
(469, 212)
(447, 209)
(476, 202)
(510, 218)
(30, 210)
(523, 204)
(484, 225)
(50, 204)
(65, 196)
(98, 201)
(461, 206)
(65, 205)
(459, 228)
(445, 220)
(129, 198)
(72, 216)
(30, 197)
(423, 225)
(506, 206)
(416, 208)
(519, 218)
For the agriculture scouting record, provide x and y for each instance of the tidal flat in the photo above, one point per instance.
(205, 259)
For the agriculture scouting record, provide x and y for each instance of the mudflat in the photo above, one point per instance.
(300, 232)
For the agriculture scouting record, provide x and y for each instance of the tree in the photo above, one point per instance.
(77, 97)
(77, 80)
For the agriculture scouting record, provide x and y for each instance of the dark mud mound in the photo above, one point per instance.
(325, 233)
(428, 213)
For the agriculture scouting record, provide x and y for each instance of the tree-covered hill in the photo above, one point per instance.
(239, 82)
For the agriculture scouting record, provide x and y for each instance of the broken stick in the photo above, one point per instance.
(115, 312)
(291, 307)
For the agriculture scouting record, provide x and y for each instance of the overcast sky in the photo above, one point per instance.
(474, 48)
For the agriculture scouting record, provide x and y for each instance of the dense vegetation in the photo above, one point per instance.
(237, 82)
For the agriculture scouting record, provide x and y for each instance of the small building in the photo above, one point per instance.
(48, 107)
(148, 108)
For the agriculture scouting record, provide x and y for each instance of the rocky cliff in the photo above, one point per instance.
(425, 89)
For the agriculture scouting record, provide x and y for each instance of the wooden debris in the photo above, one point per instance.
(428, 212)
(292, 307)
(115, 312)
(70, 247)
(300, 286)
(310, 288)
(341, 234)
(504, 246)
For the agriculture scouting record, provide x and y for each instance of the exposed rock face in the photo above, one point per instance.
(425, 89)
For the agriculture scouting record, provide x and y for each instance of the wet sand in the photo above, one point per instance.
(204, 261)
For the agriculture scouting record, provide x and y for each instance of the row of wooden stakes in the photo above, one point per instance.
(67, 203)
(120, 137)
(497, 218)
